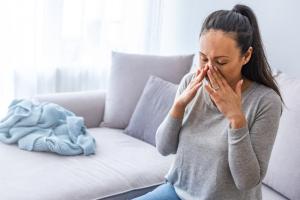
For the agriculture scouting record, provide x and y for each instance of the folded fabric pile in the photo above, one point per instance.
(45, 127)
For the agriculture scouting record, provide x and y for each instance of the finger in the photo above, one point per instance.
(212, 80)
(203, 73)
(210, 91)
(219, 77)
(197, 74)
(200, 76)
(197, 86)
(216, 78)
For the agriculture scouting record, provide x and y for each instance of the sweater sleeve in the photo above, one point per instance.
(250, 148)
(167, 134)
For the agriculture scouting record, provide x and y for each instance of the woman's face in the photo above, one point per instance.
(219, 49)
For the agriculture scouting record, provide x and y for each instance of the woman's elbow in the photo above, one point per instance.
(165, 145)
(247, 184)
(163, 150)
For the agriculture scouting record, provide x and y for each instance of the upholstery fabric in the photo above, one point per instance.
(128, 76)
(153, 105)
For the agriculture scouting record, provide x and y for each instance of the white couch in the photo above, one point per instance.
(123, 167)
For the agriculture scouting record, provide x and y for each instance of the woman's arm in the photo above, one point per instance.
(250, 148)
(167, 134)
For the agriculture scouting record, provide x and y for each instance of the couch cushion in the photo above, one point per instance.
(283, 173)
(128, 76)
(153, 106)
(121, 164)
(269, 194)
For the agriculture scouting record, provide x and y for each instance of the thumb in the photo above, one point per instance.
(238, 87)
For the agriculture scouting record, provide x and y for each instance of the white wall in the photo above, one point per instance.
(279, 23)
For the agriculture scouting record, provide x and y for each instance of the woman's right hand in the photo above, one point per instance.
(190, 91)
(188, 94)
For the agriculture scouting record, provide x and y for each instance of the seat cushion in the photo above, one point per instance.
(121, 164)
(128, 76)
(283, 174)
(269, 194)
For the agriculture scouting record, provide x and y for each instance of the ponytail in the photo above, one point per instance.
(241, 21)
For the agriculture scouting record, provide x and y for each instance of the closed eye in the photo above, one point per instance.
(221, 63)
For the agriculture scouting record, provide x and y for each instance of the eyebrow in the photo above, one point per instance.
(215, 57)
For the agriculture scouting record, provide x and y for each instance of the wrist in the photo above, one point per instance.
(178, 105)
(238, 121)
(177, 110)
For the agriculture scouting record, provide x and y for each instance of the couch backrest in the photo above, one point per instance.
(87, 104)
(283, 173)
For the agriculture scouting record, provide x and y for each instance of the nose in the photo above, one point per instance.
(209, 64)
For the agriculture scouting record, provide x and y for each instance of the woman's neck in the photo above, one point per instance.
(246, 84)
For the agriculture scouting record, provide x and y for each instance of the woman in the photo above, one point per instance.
(225, 116)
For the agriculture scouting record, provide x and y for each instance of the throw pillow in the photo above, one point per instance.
(128, 76)
(152, 107)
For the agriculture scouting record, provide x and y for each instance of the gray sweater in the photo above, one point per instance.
(214, 161)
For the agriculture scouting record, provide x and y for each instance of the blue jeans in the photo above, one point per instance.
(165, 191)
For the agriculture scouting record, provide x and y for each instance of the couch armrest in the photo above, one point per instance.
(88, 104)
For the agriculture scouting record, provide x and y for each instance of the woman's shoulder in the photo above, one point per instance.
(265, 92)
(265, 96)
(187, 78)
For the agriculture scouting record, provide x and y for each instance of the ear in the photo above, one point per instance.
(247, 55)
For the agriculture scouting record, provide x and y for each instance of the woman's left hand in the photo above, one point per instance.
(228, 101)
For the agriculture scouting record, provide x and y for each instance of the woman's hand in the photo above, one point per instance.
(190, 91)
(228, 101)
(178, 108)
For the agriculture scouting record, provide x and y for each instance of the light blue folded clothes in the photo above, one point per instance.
(45, 127)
